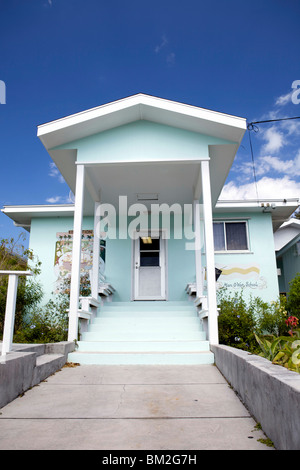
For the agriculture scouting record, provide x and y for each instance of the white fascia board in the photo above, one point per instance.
(55, 208)
(260, 204)
(23, 215)
(137, 107)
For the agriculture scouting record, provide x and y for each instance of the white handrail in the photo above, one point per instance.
(9, 321)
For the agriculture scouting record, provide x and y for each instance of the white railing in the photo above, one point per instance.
(9, 321)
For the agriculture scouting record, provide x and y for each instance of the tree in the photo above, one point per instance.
(15, 257)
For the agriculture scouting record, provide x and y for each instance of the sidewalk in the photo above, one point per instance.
(130, 408)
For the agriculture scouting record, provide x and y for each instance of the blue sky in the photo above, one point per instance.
(59, 57)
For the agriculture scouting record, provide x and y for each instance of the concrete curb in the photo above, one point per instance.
(270, 392)
(29, 364)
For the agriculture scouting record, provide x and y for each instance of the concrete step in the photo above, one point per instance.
(46, 365)
(142, 346)
(157, 313)
(165, 358)
(148, 306)
(142, 335)
(144, 323)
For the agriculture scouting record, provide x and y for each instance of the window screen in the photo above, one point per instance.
(230, 236)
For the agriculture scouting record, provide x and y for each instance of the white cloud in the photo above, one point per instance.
(171, 58)
(284, 99)
(163, 43)
(55, 173)
(267, 188)
(275, 140)
(61, 199)
(54, 199)
(288, 167)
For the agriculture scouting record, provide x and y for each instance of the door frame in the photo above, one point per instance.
(163, 265)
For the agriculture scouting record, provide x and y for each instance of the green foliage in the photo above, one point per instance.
(271, 318)
(239, 321)
(283, 350)
(47, 324)
(236, 322)
(33, 323)
(13, 256)
(293, 300)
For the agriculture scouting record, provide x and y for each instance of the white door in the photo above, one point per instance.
(149, 268)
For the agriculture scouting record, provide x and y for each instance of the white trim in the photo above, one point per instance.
(76, 255)
(198, 255)
(96, 252)
(49, 208)
(146, 162)
(141, 100)
(210, 255)
(163, 265)
(232, 221)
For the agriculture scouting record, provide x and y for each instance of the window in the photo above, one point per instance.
(149, 251)
(230, 236)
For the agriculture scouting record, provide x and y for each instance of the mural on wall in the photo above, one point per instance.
(63, 260)
(241, 277)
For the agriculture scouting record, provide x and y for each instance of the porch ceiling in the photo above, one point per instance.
(172, 183)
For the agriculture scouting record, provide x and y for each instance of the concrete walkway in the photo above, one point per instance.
(130, 408)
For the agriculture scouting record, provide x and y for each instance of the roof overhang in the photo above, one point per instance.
(22, 215)
(287, 234)
(279, 209)
(141, 107)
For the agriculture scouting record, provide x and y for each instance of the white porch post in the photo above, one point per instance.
(76, 254)
(96, 251)
(210, 258)
(198, 260)
(10, 309)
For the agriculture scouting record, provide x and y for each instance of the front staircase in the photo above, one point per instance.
(144, 333)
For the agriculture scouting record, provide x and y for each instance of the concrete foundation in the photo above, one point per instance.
(270, 392)
(29, 364)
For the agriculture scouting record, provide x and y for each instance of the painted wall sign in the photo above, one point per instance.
(241, 277)
(63, 258)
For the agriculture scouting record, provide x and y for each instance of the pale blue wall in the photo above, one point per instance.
(142, 141)
(181, 262)
(42, 242)
(261, 254)
(289, 263)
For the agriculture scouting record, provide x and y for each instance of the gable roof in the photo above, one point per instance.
(141, 107)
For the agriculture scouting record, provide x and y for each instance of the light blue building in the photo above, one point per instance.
(287, 246)
(147, 230)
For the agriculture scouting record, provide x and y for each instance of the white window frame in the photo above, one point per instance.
(224, 221)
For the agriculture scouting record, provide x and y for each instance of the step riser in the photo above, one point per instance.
(144, 333)
(144, 336)
(120, 313)
(142, 346)
(143, 359)
(149, 308)
(111, 324)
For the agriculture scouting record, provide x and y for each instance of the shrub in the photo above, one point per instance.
(236, 322)
(282, 350)
(293, 299)
(13, 256)
(48, 324)
(271, 318)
